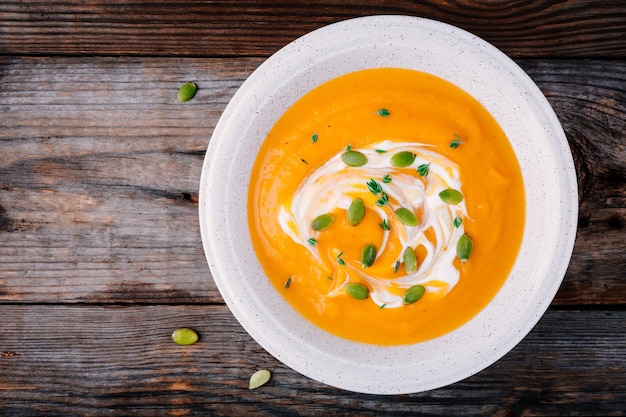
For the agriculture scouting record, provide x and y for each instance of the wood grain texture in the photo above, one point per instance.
(100, 166)
(88, 360)
(100, 252)
(521, 28)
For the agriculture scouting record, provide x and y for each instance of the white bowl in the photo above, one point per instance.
(526, 118)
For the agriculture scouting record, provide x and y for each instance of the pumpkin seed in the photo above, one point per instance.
(184, 336)
(356, 290)
(406, 217)
(187, 91)
(322, 222)
(413, 294)
(259, 378)
(368, 256)
(464, 247)
(410, 260)
(356, 211)
(450, 196)
(354, 158)
(402, 159)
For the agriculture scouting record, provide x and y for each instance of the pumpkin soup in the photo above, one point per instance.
(386, 206)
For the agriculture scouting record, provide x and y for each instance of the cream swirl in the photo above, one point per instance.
(334, 185)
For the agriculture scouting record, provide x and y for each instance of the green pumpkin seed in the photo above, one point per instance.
(356, 290)
(356, 211)
(406, 217)
(186, 92)
(184, 336)
(259, 378)
(322, 222)
(354, 158)
(368, 256)
(413, 294)
(464, 247)
(450, 196)
(402, 159)
(410, 260)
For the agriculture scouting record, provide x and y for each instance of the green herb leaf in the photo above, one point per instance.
(464, 247)
(322, 222)
(458, 221)
(374, 187)
(384, 113)
(354, 158)
(456, 142)
(380, 151)
(386, 179)
(314, 138)
(357, 291)
(410, 260)
(423, 169)
(450, 196)
(329, 278)
(413, 294)
(288, 283)
(384, 225)
(384, 199)
(349, 147)
(383, 306)
(406, 217)
(312, 241)
(402, 159)
(368, 255)
(339, 260)
(356, 211)
(396, 267)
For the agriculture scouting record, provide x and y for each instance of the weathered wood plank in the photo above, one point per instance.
(100, 165)
(578, 28)
(59, 360)
(99, 172)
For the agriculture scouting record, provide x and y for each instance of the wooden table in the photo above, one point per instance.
(100, 250)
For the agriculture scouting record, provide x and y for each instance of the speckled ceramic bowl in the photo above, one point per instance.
(520, 109)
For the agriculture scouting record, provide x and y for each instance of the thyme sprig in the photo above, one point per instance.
(458, 221)
(456, 142)
(384, 199)
(423, 169)
(374, 187)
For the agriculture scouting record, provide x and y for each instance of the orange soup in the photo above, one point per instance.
(387, 206)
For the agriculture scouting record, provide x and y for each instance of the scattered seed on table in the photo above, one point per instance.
(187, 91)
(184, 336)
(259, 378)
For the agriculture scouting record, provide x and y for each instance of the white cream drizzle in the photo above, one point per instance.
(335, 184)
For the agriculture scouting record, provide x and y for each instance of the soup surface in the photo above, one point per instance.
(386, 206)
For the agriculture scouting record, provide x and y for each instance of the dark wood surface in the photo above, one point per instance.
(100, 251)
